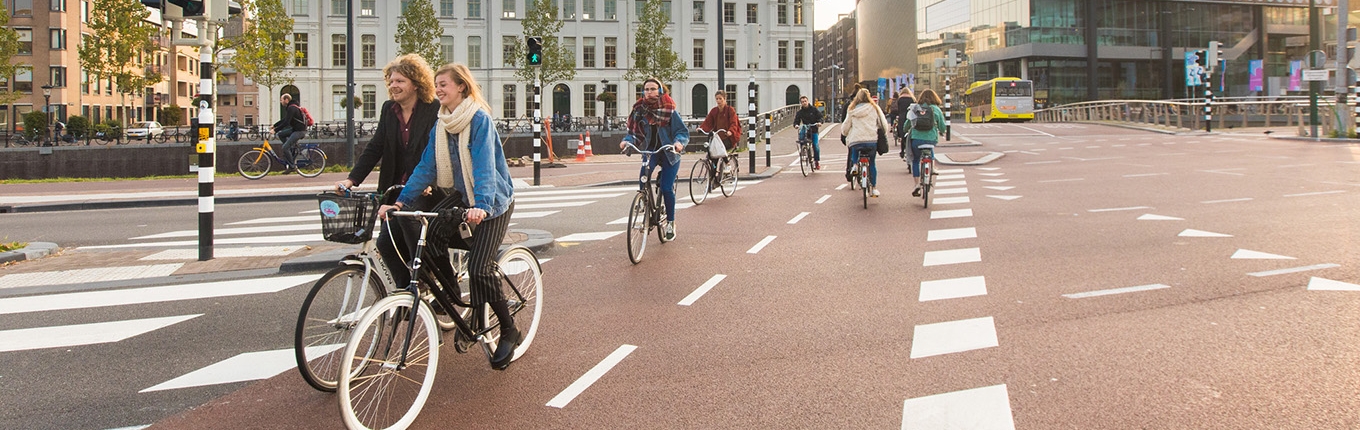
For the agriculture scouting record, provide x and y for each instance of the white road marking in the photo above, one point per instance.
(954, 213)
(842, 187)
(243, 367)
(1140, 175)
(1063, 180)
(521, 199)
(996, 181)
(1130, 208)
(96, 299)
(947, 191)
(951, 234)
(566, 191)
(1116, 291)
(1244, 199)
(950, 177)
(951, 183)
(300, 218)
(1315, 194)
(81, 276)
(949, 200)
(1243, 254)
(585, 381)
(761, 245)
(998, 188)
(953, 336)
(952, 256)
(983, 168)
(952, 171)
(238, 230)
(296, 238)
(83, 334)
(1006, 198)
(823, 199)
(583, 237)
(1294, 270)
(953, 288)
(1151, 217)
(1226, 171)
(1044, 162)
(708, 285)
(799, 217)
(225, 252)
(1201, 233)
(991, 174)
(623, 220)
(1321, 284)
(538, 214)
(552, 205)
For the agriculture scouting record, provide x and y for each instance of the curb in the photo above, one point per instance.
(33, 251)
(991, 156)
(538, 241)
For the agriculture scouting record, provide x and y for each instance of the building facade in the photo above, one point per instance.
(768, 40)
(881, 33)
(836, 62)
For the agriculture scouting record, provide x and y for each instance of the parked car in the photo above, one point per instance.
(145, 130)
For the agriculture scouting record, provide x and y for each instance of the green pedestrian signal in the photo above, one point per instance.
(535, 45)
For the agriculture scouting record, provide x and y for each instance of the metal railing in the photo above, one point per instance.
(1188, 114)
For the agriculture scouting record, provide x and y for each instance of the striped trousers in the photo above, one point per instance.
(484, 249)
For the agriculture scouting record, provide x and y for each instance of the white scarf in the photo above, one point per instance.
(455, 122)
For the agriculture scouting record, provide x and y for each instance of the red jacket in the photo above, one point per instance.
(723, 118)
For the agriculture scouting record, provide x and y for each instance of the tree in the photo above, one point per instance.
(171, 115)
(559, 65)
(9, 47)
(654, 56)
(418, 32)
(122, 40)
(263, 50)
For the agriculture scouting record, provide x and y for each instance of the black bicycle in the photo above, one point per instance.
(805, 154)
(713, 172)
(647, 211)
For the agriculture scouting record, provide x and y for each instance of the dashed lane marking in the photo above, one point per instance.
(952, 256)
(95, 299)
(250, 366)
(1143, 175)
(947, 191)
(225, 252)
(1243, 199)
(234, 231)
(1294, 270)
(949, 200)
(953, 288)
(1321, 284)
(799, 217)
(1201, 233)
(296, 238)
(1130, 208)
(83, 334)
(761, 245)
(703, 289)
(585, 381)
(1319, 193)
(582, 237)
(953, 213)
(1116, 291)
(953, 337)
(300, 218)
(951, 234)
(537, 214)
(1244, 254)
(1152, 217)
(823, 199)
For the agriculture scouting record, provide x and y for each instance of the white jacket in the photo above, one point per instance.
(862, 124)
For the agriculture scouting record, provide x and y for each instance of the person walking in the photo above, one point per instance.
(291, 127)
(402, 135)
(812, 118)
(464, 153)
(722, 121)
(654, 125)
(927, 125)
(860, 132)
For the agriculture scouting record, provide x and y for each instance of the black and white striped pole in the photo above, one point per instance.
(948, 126)
(538, 127)
(768, 118)
(1208, 102)
(1355, 97)
(206, 149)
(751, 121)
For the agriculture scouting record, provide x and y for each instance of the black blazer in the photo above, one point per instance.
(386, 145)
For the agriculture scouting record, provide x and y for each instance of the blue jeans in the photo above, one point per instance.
(870, 148)
(816, 149)
(916, 155)
(666, 180)
(289, 139)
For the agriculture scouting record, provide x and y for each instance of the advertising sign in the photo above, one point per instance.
(1295, 75)
(1256, 72)
(1194, 73)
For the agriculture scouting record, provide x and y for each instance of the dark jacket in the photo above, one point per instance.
(397, 162)
(290, 117)
(723, 119)
(808, 115)
(901, 106)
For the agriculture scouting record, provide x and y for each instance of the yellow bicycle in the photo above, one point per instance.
(256, 162)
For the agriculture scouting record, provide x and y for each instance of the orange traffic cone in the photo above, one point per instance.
(588, 151)
(580, 153)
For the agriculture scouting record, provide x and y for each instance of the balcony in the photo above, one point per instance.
(226, 89)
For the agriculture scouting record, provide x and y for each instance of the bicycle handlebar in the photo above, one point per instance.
(670, 148)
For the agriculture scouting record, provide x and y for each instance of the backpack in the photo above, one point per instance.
(308, 116)
(925, 118)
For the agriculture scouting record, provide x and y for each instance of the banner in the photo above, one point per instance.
(882, 85)
(1194, 73)
(1256, 72)
(1296, 75)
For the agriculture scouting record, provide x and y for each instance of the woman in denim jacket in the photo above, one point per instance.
(653, 125)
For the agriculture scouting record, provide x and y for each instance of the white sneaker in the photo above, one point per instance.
(873, 192)
(670, 231)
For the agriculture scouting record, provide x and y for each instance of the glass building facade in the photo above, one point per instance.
(1079, 50)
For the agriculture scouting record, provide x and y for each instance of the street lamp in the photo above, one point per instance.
(47, 107)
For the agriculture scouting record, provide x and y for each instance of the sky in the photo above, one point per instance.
(827, 10)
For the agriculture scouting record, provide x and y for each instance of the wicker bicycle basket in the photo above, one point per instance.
(347, 219)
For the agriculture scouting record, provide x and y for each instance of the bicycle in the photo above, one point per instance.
(927, 169)
(389, 364)
(255, 163)
(805, 155)
(713, 172)
(646, 212)
(859, 174)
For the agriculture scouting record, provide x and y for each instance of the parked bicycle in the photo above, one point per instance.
(388, 367)
(927, 170)
(647, 210)
(713, 172)
(255, 163)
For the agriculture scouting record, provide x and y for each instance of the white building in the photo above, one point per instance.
(770, 40)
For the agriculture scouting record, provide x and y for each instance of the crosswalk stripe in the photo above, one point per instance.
(977, 408)
(552, 205)
(296, 238)
(585, 190)
(519, 199)
(299, 218)
(581, 237)
(953, 336)
(248, 366)
(225, 252)
(83, 334)
(953, 256)
(539, 214)
(203, 290)
(234, 231)
(80, 276)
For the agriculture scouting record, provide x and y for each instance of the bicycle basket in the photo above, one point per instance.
(347, 219)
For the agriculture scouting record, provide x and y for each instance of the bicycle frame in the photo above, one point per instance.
(653, 187)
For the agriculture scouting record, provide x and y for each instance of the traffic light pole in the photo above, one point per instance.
(1208, 101)
(538, 127)
(948, 127)
(751, 121)
(207, 145)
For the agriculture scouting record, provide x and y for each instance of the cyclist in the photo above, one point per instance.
(291, 127)
(810, 117)
(927, 125)
(862, 124)
(464, 153)
(403, 132)
(903, 105)
(653, 125)
(723, 121)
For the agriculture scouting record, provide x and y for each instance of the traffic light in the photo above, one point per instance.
(189, 7)
(1201, 58)
(1213, 54)
(951, 58)
(535, 45)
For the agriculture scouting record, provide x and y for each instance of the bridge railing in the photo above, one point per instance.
(1239, 112)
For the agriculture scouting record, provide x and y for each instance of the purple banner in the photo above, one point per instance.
(1257, 76)
(1295, 75)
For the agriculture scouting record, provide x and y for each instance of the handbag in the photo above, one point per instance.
(882, 141)
(716, 149)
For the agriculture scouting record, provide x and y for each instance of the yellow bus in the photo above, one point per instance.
(1000, 99)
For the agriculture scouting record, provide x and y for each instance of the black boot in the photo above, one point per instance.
(510, 336)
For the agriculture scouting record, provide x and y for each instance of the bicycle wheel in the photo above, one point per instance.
(160, 138)
(639, 223)
(729, 171)
(328, 314)
(310, 162)
(927, 180)
(254, 164)
(864, 183)
(378, 389)
(698, 182)
(805, 159)
(522, 284)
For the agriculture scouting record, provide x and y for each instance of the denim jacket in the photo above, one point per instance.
(676, 132)
(490, 173)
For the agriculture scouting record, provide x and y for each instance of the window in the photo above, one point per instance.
(58, 37)
(474, 9)
(446, 49)
(58, 77)
(588, 10)
(23, 7)
(474, 59)
(338, 100)
(783, 11)
(588, 93)
(730, 54)
(509, 6)
(508, 44)
(25, 40)
(611, 54)
(84, 11)
(404, 4)
(508, 106)
(568, 9)
(300, 49)
(370, 101)
(611, 9)
(23, 79)
(339, 7)
(783, 54)
(588, 52)
(698, 11)
(730, 13)
(300, 7)
(84, 82)
(569, 44)
(529, 107)
(58, 5)
(338, 50)
(731, 94)
(798, 54)
(698, 53)
(752, 11)
(798, 12)
(369, 50)
(611, 108)
(446, 8)
(249, 100)
(665, 8)
(366, 7)
(528, 7)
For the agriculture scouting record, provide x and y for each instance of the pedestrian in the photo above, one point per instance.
(927, 126)
(812, 118)
(291, 127)
(464, 153)
(403, 133)
(654, 125)
(722, 121)
(860, 131)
